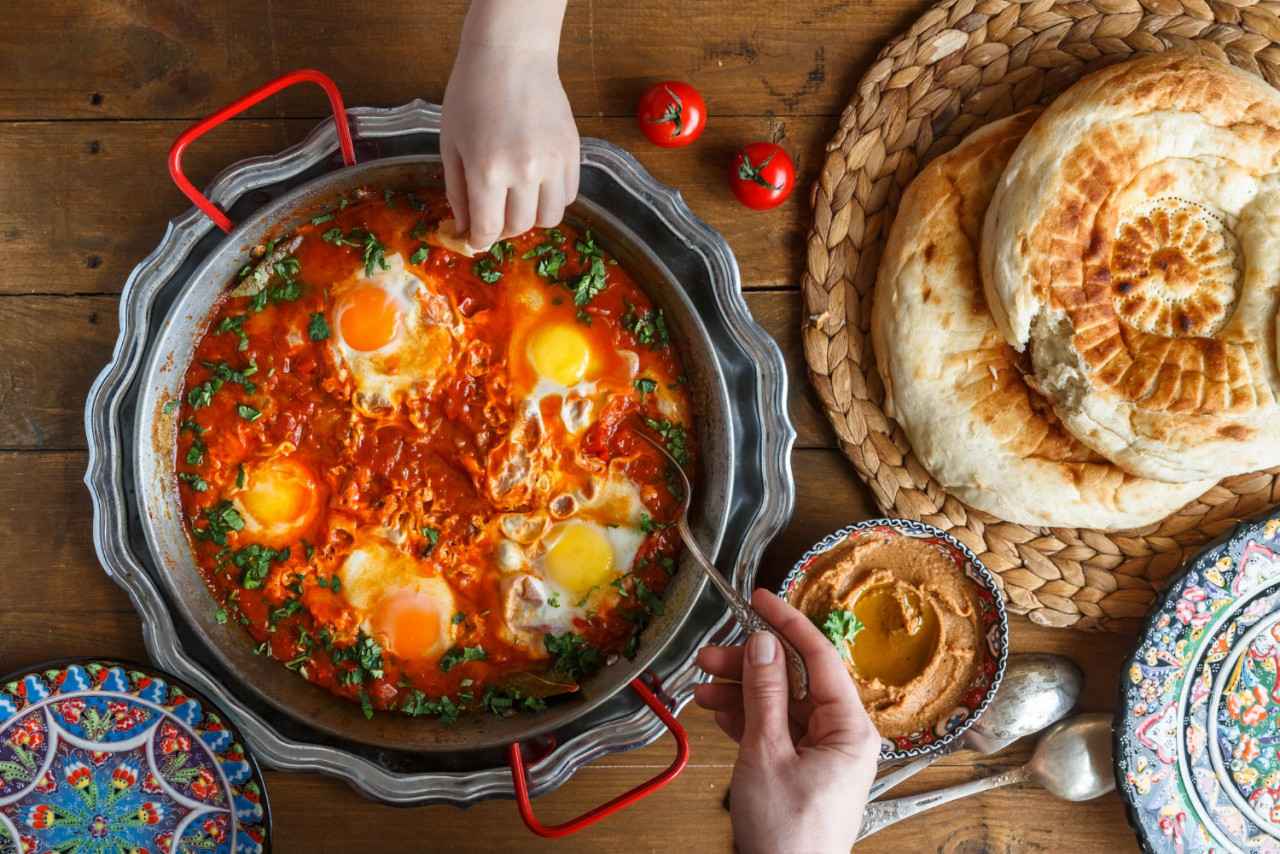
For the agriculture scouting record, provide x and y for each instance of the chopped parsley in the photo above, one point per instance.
(193, 480)
(247, 412)
(572, 655)
(592, 281)
(220, 616)
(458, 618)
(649, 328)
(648, 526)
(419, 256)
(841, 627)
(195, 454)
(171, 406)
(233, 324)
(366, 705)
(456, 654)
(358, 663)
(646, 387)
(419, 229)
(549, 258)
(486, 271)
(418, 705)
(240, 476)
(554, 601)
(502, 251)
(254, 562)
(675, 437)
(322, 219)
(318, 328)
(223, 519)
(201, 395)
(386, 197)
(372, 253)
(371, 247)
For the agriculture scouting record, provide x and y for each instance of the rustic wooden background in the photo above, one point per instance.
(92, 94)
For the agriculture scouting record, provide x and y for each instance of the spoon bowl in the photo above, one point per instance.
(1038, 689)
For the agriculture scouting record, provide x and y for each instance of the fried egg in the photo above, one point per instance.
(392, 335)
(559, 571)
(409, 614)
(279, 500)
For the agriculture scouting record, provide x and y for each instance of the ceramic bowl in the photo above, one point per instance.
(994, 649)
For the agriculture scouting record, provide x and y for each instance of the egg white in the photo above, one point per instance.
(419, 354)
(376, 569)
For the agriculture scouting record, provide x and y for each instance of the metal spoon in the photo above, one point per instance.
(1038, 689)
(1072, 760)
(797, 673)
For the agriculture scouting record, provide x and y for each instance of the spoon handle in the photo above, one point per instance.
(884, 813)
(896, 776)
(748, 618)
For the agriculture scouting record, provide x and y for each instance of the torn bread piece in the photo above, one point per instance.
(446, 236)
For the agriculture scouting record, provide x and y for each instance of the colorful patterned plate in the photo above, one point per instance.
(995, 624)
(99, 756)
(1197, 727)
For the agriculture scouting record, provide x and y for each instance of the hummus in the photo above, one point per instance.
(917, 652)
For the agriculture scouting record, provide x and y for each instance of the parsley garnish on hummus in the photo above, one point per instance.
(841, 627)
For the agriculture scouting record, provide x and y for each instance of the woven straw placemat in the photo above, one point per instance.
(962, 64)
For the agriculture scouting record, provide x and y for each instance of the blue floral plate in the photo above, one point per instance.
(100, 756)
(1197, 727)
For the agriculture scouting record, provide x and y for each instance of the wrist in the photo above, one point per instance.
(524, 28)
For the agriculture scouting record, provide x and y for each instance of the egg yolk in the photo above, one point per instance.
(280, 493)
(409, 621)
(368, 318)
(579, 559)
(560, 353)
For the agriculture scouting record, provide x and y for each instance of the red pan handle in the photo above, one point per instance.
(239, 106)
(623, 800)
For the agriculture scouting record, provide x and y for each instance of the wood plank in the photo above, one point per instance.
(171, 59)
(689, 815)
(42, 391)
(86, 201)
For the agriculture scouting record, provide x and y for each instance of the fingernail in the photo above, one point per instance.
(761, 648)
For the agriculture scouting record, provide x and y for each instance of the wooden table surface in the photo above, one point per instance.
(92, 94)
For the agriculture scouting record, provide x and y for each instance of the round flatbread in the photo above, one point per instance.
(959, 390)
(1133, 248)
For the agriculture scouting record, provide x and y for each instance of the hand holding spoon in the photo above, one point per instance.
(797, 673)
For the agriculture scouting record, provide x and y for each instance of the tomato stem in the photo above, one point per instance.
(748, 171)
(674, 113)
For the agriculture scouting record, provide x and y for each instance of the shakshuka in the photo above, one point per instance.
(413, 477)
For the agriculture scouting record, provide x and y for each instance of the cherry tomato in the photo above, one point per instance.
(763, 176)
(671, 114)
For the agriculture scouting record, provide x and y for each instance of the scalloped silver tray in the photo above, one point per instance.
(759, 503)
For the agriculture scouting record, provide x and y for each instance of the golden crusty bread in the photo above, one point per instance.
(1133, 246)
(957, 387)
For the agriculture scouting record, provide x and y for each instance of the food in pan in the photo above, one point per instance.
(1132, 249)
(906, 621)
(411, 475)
(959, 390)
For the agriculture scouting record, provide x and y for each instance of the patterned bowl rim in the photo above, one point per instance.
(1148, 623)
(988, 582)
(228, 722)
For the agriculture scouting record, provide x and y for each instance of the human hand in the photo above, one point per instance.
(804, 767)
(507, 135)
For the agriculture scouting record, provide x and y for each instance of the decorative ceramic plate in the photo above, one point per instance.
(100, 756)
(991, 611)
(1197, 727)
